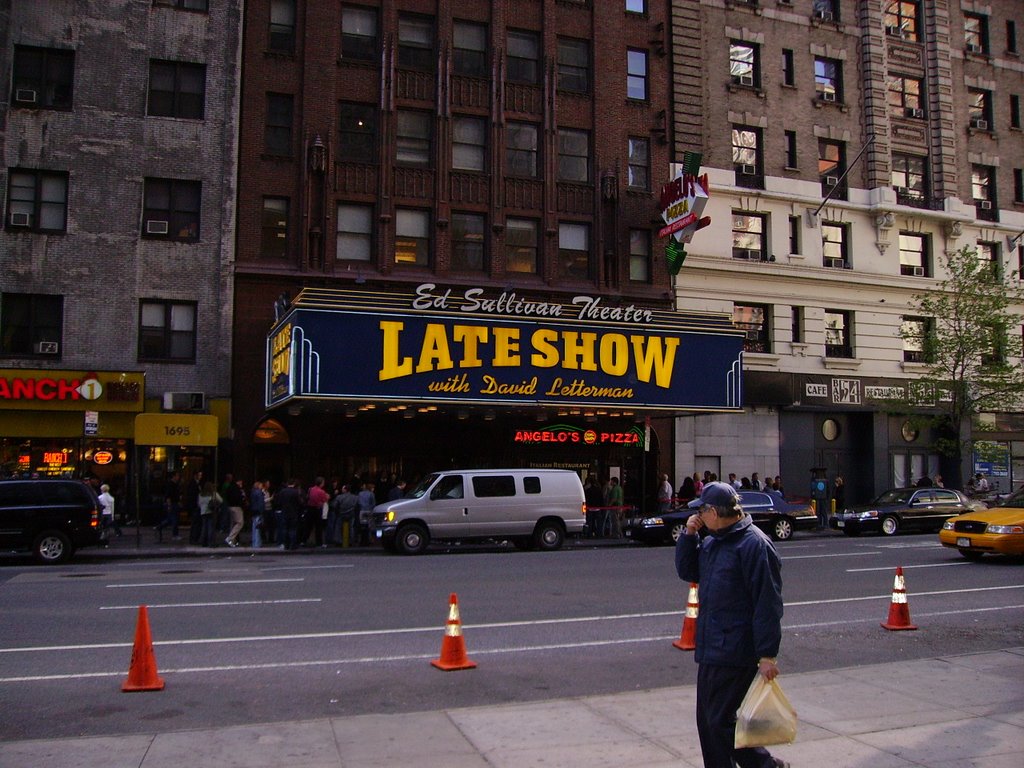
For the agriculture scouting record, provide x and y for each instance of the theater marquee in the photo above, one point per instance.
(478, 346)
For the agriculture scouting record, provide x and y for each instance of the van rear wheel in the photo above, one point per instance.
(549, 535)
(412, 539)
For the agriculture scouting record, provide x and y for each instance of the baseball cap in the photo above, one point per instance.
(716, 494)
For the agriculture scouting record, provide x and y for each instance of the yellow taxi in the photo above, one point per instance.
(998, 531)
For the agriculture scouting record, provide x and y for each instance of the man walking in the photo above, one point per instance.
(739, 626)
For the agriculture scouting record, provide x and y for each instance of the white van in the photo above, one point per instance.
(530, 507)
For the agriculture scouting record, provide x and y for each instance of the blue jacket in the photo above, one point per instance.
(739, 574)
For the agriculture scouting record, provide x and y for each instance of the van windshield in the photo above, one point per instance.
(422, 486)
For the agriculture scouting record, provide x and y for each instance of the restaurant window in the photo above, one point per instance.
(904, 96)
(835, 245)
(167, 330)
(31, 325)
(277, 136)
(359, 33)
(640, 255)
(355, 232)
(838, 334)
(42, 78)
(748, 236)
(915, 332)
(639, 163)
(413, 139)
(523, 62)
(636, 74)
(282, 26)
(753, 320)
(573, 155)
(171, 209)
(358, 133)
(412, 237)
(416, 42)
(521, 241)
(469, 139)
(744, 64)
(468, 242)
(274, 228)
(914, 256)
(901, 19)
(37, 201)
(574, 250)
(521, 150)
(574, 65)
(469, 49)
(176, 89)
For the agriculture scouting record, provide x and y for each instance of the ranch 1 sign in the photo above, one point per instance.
(480, 346)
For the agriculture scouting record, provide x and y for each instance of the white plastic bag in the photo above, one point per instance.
(765, 717)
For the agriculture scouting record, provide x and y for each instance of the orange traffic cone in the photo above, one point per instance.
(453, 647)
(688, 638)
(142, 674)
(899, 610)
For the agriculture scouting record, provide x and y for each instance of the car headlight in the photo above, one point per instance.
(1004, 529)
(652, 521)
(389, 516)
(948, 525)
(869, 514)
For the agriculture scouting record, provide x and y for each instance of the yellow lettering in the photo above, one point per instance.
(649, 354)
(579, 350)
(506, 346)
(434, 355)
(470, 336)
(391, 366)
(614, 354)
(545, 354)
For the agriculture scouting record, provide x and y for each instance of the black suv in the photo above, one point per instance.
(49, 518)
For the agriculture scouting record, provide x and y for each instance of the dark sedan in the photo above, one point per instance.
(770, 512)
(904, 509)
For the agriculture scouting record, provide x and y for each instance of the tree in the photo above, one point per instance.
(968, 335)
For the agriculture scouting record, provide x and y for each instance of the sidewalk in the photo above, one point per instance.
(963, 711)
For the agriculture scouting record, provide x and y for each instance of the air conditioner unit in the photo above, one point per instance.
(900, 191)
(985, 205)
(894, 31)
(745, 253)
(916, 113)
(20, 219)
(823, 15)
(184, 401)
(746, 79)
(973, 48)
(828, 96)
(25, 96)
(748, 170)
(156, 227)
(47, 348)
(918, 271)
(980, 124)
(831, 181)
(835, 263)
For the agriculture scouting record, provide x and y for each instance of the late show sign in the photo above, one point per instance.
(477, 347)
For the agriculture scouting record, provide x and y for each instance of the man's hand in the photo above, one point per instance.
(694, 524)
(768, 668)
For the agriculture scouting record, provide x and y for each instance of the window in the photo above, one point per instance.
(639, 163)
(826, 10)
(904, 96)
(1018, 185)
(469, 49)
(523, 57)
(413, 139)
(752, 319)
(521, 152)
(746, 156)
(791, 156)
(37, 200)
(31, 324)
(355, 232)
(416, 42)
(176, 89)
(831, 167)
(468, 241)
(167, 330)
(913, 254)
(901, 19)
(42, 77)
(282, 26)
(748, 236)
(521, 246)
(494, 486)
(573, 155)
(979, 109)
(636, 74)
(636, 6)
(171, 209)
(277, 136)
(639, 255)
(909, 179)
(274, 228)
(1015, 111)
(574, 65)
(574, 250)
(185, 5)
(916, 333)
(989, 259)
(358, 135)
(412, 237)
(1011, 36)
(359, 33)
(469, 142)
(797, 324)
(993, 346)
(976, 33)
(838, 332)
(788, 67)
(744, 64)
(983, 186)
(828, 79)
(794, 234)
(834, 245)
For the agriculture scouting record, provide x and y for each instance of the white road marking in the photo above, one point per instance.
(908, 567)
(838, 554)
(211, 605)
(302, 567)
(196, 583)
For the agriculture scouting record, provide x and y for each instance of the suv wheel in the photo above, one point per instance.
(51, 547)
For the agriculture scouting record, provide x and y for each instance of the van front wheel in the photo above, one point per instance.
(549, 535)
(412, 539)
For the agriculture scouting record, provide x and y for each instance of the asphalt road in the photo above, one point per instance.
(280, 636)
